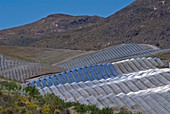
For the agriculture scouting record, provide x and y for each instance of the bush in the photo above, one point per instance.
(56, 111)
(125, 111)
(0, 91)
(1, 109)
(32, 91)
(10, 85)
(81, 108)
(34, 103)
(55, 102)
(46, 109)
(106, 111)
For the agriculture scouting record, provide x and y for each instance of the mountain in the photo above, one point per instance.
(44, 29)
(143, 21)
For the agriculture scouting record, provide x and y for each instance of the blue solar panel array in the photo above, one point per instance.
(87, 73)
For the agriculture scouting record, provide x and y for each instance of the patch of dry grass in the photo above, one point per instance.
(43, 55)
(164, 56)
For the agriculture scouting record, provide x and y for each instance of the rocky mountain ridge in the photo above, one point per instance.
(142, 21)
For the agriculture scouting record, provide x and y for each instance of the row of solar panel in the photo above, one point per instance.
(103, 55)
(108, 93)
(114, 86)
(17, 70)
(21, 72)
(4, 64)
(138, 64)
(101, 71)
(154, 100)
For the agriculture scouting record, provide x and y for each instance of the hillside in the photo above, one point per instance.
(44, 29)
(43, 55)
(18, 99)
(64, 64)
(142, 22)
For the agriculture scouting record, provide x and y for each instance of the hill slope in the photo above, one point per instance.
(142, 22)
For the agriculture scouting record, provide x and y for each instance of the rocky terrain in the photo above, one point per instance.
(143, 21)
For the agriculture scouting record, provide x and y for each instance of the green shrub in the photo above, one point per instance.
(55, 102)
(0, 91)
(81, 108)
(123, 111)
(32, 91)
(46, 109)
(106, 111)
(34, 103)
(10, 85)
(1, 109)
(56, 111)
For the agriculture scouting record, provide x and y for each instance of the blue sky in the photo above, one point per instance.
(19, 12)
